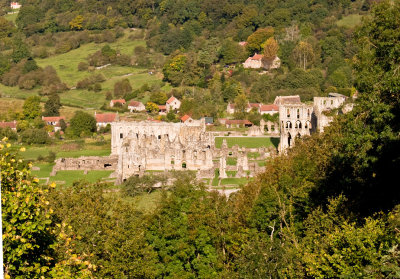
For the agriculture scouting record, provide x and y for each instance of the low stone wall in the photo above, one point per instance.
(85, 163)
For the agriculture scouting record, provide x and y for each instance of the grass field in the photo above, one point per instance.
(32, 152)
(350, 21)
(234, 181)
(11, 17)
(66, 178)
(249, 142)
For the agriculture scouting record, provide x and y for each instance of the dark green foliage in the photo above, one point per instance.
(82, 124)
(52, 106)
(35, 136)
(122, 88)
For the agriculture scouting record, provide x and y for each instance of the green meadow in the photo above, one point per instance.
(249, 142)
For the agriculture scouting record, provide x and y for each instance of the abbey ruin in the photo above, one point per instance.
(155, 146)
(299, 119)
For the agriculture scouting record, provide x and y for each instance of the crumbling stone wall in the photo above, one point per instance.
(85, 163)
(147, 145)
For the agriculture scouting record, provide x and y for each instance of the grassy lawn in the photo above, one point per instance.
(66, 178)
(231, 173)
(231, 161)
(249, 142)
(234, 181)
(350, 21)
(11, 17)
(32, 152)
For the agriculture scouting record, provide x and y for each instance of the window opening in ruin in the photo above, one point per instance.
(289, 139)
(298, 113)
(107, 165)
(298, 136)
(272, 127)
(172, 162)
(121, 135)
(183, 165)
(159, 137)
(137, 135)
(288, 112)
(308, 112)
(325, 102)
(298, 125)
(331, 102)
(266, 128)
(208, 146)
(230, 153)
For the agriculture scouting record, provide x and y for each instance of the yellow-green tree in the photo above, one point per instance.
(303, 54)
(271, 48)
(29, 233)
(76, 23)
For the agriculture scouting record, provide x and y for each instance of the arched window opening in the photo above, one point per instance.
(183, 165)
(298, 125)
(308, 112)
(298, 113)
(289, 139)
(159, 137)
(288, 113)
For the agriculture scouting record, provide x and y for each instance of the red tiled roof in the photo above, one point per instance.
(52, 118)
(270, 108)
(12, 124)
(134, 103)
(254, 105)
(257, 57)
(162, 107)
(185, 117)
(171, 99)
(122, 101)
(105, 117)
(238, 122)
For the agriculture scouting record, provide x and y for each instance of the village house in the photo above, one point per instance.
(269, 109)
(162, 109)
(12, 125)
(173, 104)
(103, 119)
(136, 106)
(53, 121)
(186, 118)
(257, 62)
(119, 101)
(15, 5)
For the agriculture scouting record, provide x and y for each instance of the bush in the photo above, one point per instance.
(122, 87)
(82, 124)
(51, 157)
(83, 66)
(35, 136)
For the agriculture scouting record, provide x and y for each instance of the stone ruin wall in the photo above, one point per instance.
(298, 120)
(85, 163)
(160, 146)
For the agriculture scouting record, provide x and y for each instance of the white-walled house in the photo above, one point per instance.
(120, 101)
(136, 106)
(15, 5)
(173, 104)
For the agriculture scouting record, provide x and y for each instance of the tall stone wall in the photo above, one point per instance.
(295, 122)
(146, 145)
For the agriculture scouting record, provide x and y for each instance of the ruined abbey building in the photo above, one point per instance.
(161, 146)
(298, 119)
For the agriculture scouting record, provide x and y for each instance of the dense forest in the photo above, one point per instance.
(329, 208)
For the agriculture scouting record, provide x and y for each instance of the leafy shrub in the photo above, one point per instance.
(35, 136)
